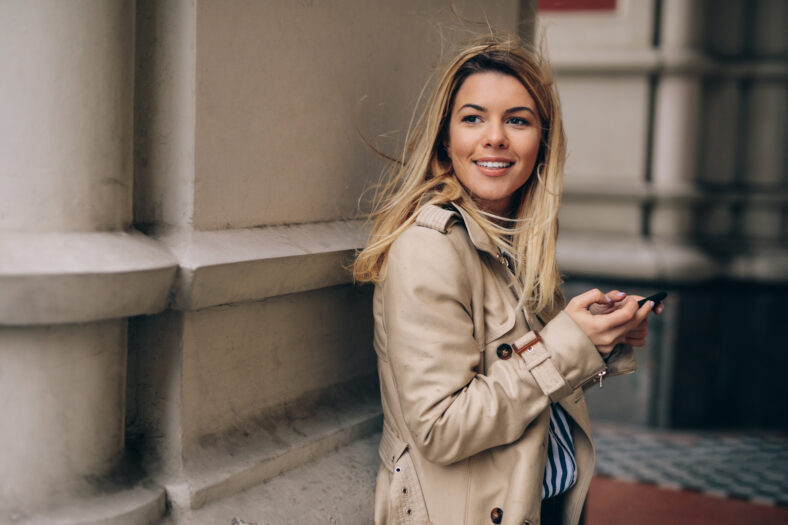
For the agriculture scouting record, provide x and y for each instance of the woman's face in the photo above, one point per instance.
(494, 137)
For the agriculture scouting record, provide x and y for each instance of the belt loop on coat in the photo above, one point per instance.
(391, 448)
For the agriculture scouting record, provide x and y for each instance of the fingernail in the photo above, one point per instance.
(651, 304)
(607, 298)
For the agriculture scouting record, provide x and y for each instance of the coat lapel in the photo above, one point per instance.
(574, 404)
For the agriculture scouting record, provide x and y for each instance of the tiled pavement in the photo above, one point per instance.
(746, 466)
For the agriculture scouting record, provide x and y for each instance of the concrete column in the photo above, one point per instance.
(676, 130)
(65, 135)
(65, 197)
(677, 116)
(62, 398)
(679, 95)
(681, 24)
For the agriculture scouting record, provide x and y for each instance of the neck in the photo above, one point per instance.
(504, 209)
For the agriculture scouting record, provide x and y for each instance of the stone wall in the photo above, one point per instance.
(179, 199)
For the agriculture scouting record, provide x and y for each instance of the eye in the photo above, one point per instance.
(518, 121)
(471, 119)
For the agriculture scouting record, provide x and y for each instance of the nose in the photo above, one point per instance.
(496, 136)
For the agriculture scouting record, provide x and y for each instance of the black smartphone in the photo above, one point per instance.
(657, 298)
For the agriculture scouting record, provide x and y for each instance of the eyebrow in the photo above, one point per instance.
(510, 110)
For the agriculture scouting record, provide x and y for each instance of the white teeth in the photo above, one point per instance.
(494, 165)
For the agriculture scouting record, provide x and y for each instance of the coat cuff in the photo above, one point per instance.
(563, 360)
(621, 360)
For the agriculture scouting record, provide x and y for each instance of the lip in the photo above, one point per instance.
(493, 172)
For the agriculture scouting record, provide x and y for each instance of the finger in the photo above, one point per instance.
(643, 326)
(659, 308)
(584, 300)
(616, 295)
(637, 336)
(622, 316)
(636, 341)
(637, 333)
(597, 308)
(642, 313)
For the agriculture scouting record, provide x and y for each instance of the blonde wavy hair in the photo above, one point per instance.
(425, 176)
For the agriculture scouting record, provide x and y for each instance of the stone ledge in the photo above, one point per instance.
(633, 258)
(53, 278)
(666, 61)
(280, 443)
(143, 504)
(605, 61)
(611, 190)
(768, 267)
(338, 488)
(233, 266)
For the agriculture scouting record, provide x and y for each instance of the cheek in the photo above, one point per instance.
(533, 144)
(456, 154)
(460, 141)
(457, 168)
(530, 152)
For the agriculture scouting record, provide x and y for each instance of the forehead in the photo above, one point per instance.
(491, 89)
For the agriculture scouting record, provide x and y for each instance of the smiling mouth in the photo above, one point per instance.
(493, 165)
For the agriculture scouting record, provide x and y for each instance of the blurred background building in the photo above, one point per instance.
(179, 198)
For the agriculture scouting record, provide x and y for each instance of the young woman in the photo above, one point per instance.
(482, 366)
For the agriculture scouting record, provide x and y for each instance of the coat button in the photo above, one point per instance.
(496, 515)
(504, 351)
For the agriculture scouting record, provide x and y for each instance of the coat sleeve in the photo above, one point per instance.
(453, 412)
(620, 361)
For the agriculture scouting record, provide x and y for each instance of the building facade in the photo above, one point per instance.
(181, 192)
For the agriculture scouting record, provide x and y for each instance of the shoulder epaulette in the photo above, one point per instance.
(436, 218)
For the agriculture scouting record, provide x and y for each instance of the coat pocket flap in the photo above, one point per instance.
(391, 448)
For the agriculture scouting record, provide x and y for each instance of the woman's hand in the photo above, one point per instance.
(613, 301)
(636, 337)
(610, 319)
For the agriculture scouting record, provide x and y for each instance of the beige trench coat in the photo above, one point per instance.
(466, 416)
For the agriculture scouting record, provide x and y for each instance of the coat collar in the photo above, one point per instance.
(478, 236)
